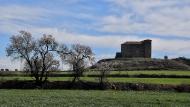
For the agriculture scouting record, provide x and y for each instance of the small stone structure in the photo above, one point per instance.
(133, 49)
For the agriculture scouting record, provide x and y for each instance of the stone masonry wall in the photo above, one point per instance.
(140, 49)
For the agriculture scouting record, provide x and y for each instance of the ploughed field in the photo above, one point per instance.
(149, 77)
(92, 98)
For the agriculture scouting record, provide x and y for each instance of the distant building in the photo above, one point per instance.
(133, 49)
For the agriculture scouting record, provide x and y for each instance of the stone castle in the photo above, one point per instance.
(133, 49)
(136, 55)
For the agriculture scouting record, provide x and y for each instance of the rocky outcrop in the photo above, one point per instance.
(144, 64)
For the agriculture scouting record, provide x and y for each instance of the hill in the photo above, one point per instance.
(124, 64)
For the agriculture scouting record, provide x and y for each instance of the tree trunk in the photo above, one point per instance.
(102, 78)
(75, 79)
(38, 82)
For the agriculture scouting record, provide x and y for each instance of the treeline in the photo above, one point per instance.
(40, 56)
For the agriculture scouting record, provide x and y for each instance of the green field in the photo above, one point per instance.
(94, 98)
(173, 81)
(152, 72)
(135, 72)
(180, 73)
(82, 98)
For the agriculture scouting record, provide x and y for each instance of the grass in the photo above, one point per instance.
(83, 98)
(181, 73)
(157, 72)
(95, 98)
(173, 81)
(136, 73)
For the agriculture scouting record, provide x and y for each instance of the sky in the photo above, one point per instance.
(100, 24)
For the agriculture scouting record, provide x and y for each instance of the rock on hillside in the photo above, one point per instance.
(144, 64)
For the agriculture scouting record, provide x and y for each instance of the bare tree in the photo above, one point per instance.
(104, 69)
(37, 54)
(79, 57)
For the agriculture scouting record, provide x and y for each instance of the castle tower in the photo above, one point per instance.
(147, 48)
(135, 49)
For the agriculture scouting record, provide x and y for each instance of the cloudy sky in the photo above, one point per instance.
(101, 24)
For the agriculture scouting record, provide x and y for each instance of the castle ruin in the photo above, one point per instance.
(133, 49)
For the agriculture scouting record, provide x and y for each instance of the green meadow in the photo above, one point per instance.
(92, 98)
(98, 98)
(150, 80)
